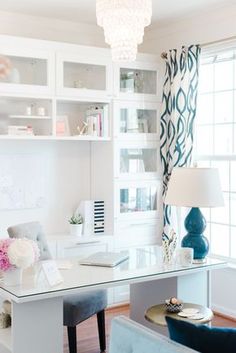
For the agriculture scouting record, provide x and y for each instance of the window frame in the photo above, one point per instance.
(212, 158)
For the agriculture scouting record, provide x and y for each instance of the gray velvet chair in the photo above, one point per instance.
(78, 307)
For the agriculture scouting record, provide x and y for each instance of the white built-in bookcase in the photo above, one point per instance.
(66, 80)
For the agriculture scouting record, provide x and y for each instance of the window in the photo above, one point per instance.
(216, 143)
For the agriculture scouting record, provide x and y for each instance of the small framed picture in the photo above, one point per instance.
(62, 126)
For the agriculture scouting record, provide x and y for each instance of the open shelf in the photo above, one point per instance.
(54, 138)
(30, 117)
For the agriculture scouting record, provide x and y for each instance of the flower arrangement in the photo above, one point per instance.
(18, 253)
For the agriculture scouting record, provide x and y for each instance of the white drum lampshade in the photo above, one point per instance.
(194, 187)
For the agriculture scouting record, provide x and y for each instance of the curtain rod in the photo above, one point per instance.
(164, 54)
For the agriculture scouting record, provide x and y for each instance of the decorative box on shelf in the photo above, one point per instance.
(20, 130)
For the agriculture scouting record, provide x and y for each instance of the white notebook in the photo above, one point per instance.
(105, 259)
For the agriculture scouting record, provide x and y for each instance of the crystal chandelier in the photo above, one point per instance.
(123, 22)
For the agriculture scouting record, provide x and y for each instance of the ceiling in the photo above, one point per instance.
(84, 10)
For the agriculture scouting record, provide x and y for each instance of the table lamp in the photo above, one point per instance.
(195, 187)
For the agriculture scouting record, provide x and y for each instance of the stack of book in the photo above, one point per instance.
(97, 121)
(20, 130)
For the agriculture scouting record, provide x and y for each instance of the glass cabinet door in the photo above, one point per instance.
(136, 120)
(138, 81)
(26, 71)
(31, 71)
(83, 75)
(138, 199)
(137, 162)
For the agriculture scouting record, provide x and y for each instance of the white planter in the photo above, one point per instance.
(13, 277)
(76, 229)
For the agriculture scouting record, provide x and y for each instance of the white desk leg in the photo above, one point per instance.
(37, 327)
(194, 288)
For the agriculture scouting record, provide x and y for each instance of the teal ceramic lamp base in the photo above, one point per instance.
(195, 225)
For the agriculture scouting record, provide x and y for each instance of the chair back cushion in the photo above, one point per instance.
(202, 338)
(33, 231)
(128, 336)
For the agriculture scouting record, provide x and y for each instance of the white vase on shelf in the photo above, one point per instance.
(13, 277)
(76, 229)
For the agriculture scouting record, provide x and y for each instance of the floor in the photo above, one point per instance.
(87, 331)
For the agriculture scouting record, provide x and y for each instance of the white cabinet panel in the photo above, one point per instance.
(81, 251)
(136, 232)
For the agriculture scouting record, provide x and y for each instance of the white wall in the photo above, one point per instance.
(224, 291)
(67, 181)
(214, 26)
(200, 29)
(50, 29)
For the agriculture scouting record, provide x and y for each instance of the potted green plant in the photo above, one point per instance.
(76, 225)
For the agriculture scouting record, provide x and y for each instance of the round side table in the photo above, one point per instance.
(156, 314)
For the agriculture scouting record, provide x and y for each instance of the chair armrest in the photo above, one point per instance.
(128, 336)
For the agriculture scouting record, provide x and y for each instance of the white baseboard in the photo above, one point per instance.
(224, 311)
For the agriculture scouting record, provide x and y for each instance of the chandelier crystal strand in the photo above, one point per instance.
(123, 22)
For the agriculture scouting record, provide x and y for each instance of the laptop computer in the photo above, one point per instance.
(105, 259)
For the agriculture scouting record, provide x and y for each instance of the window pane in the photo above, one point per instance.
(233, 242)
(223, 168)
(233, 208)
(206, 214)
(223, 139)
(223, 75)
(219, 240)
(233, 176)
(203, 164)
(206, 78)
(204, 140)
(205, 109)
(221, 214)
(235, 73)
(207, 231)
(224, 107)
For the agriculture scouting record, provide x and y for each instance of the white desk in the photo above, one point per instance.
(38, 310)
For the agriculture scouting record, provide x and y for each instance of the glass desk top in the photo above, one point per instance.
(144, 264)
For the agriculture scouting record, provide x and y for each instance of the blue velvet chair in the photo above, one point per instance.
(128, 336)
(78, 307)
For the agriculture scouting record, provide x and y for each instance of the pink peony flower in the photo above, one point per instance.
(5, 264)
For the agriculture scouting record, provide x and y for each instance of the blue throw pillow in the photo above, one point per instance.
(202, 338)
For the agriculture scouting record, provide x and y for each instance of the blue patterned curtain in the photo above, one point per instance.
(178, 112)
